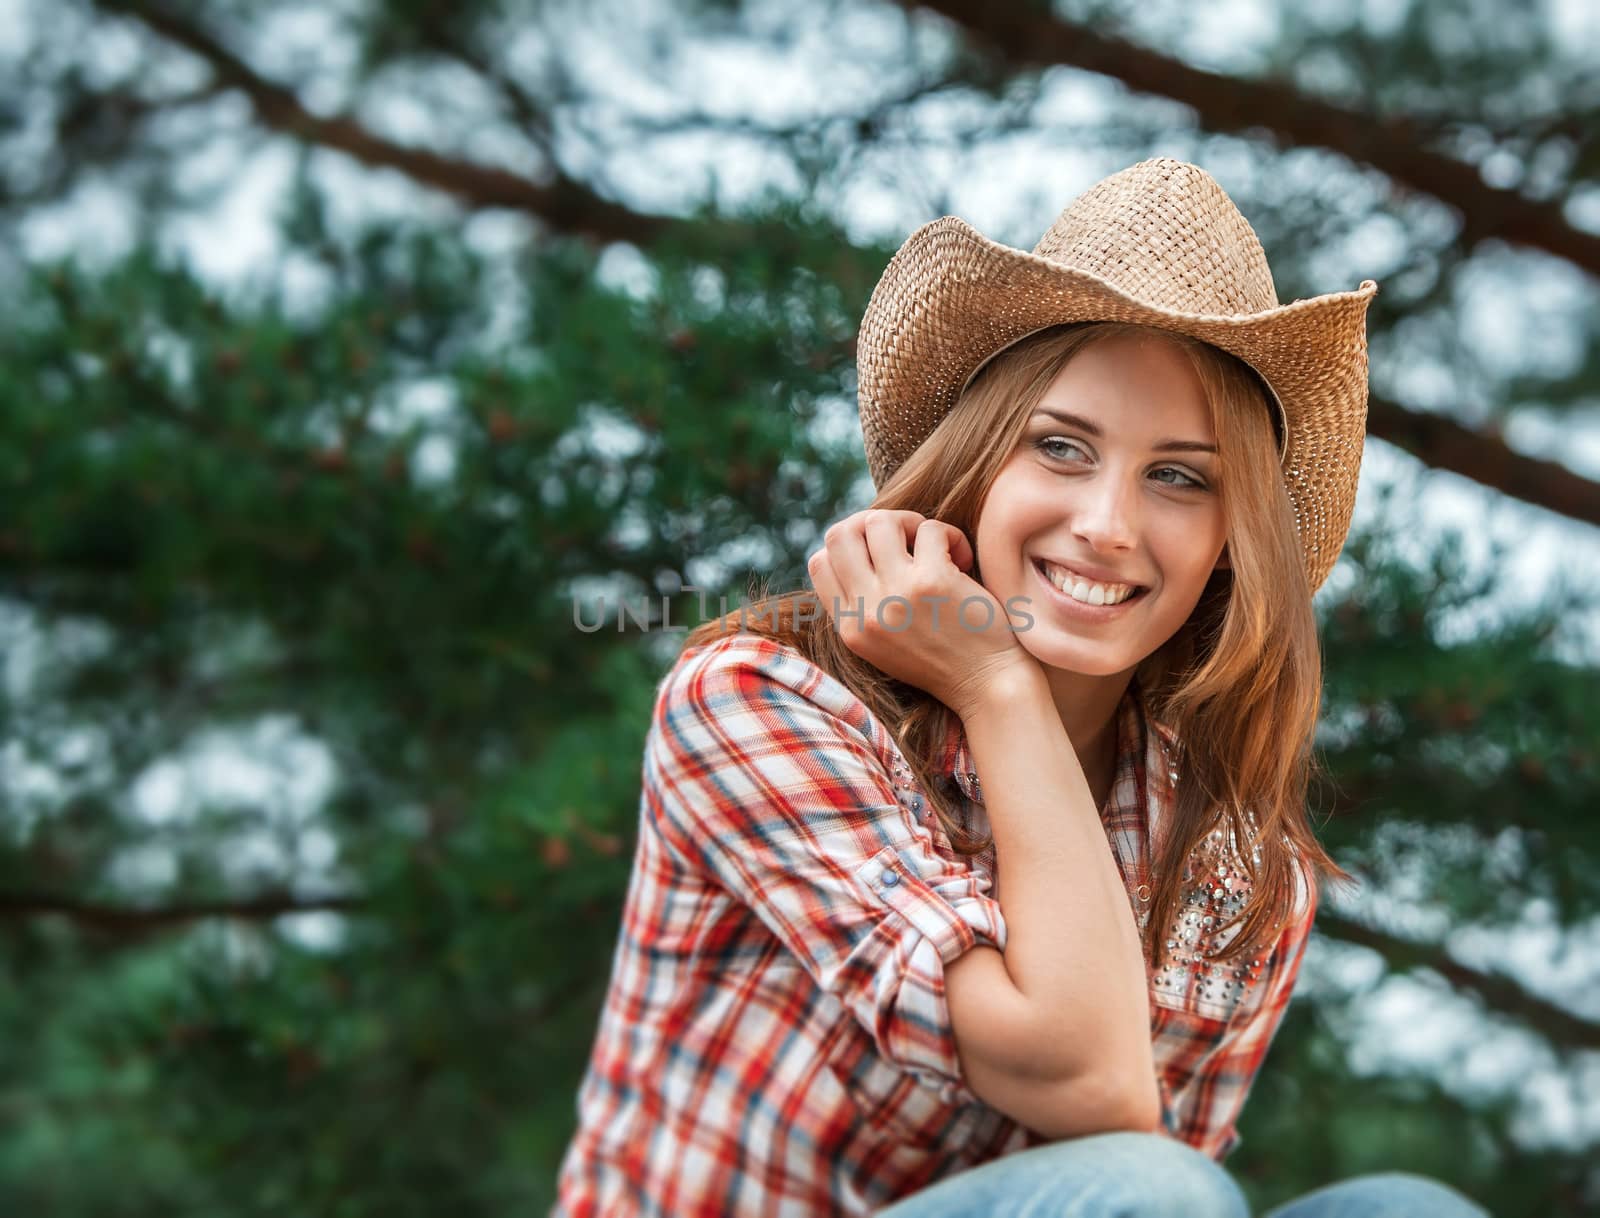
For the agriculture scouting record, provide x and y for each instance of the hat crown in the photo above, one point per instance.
(1163, 232)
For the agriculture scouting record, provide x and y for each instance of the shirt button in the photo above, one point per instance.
(890, 878)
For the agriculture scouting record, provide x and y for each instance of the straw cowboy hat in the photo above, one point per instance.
(1158, 244)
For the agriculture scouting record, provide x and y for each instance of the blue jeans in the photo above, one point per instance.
(1145, 1175)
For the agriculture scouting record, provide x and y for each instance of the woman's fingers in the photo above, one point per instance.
(868, 544)
(885, 553)
(825, 581)
(937, 541)
(889, 535)
(896, 586)
(846, 546)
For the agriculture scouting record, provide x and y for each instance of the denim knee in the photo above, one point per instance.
(1149, 1175)
(1387, 1194)
(1108, 1175)
(1406, 1194)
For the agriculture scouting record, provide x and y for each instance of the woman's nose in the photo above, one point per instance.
(1107, 516)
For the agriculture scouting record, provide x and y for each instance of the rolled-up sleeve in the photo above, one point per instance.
(762, 773)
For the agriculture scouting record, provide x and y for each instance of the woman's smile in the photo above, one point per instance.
(1068, 604)
(1088, 587)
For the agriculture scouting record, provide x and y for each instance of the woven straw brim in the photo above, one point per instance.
(951, 298)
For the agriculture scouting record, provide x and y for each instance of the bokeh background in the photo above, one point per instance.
(358, 356)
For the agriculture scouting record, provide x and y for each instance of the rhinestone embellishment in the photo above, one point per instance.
(908, 792)
(1214, 894)
(903, 777)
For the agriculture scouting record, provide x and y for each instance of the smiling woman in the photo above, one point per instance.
(999, 912)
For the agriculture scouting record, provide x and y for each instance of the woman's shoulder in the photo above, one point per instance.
(739, 655)
(737, 646)
(745, 671)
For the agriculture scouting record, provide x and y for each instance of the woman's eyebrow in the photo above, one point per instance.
(1093, 429)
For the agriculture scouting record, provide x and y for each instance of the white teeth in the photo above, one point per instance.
(1083, 590)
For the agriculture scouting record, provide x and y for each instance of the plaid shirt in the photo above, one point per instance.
(776, 1040)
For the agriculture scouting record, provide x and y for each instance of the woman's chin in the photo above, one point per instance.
(1076, 656)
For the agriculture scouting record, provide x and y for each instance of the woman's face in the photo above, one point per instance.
(1113, 484)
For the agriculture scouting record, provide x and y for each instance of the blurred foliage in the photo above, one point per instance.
(319, 786)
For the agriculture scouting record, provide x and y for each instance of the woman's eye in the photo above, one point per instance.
(1051, 446)
(1188, 479)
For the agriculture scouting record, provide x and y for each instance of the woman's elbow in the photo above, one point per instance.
(1143, 1109)
(1093, 1104)
(1127, 1097)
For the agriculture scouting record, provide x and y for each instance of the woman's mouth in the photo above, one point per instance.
(1083, 596)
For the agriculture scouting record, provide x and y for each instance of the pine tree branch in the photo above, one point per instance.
(1497, 991)
(1026, 35)
(1442, 443)
(569, 207)
(565, 204)
(130, 919)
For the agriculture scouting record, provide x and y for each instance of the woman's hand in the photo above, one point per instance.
(914, 613)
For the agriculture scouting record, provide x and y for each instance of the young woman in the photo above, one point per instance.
(976, 880)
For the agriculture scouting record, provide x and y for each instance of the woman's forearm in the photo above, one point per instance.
(1072, 946)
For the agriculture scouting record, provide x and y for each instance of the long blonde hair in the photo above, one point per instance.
(1238, 684)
